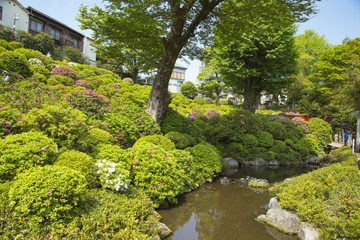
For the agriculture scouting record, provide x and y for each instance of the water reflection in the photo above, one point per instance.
(225, 212)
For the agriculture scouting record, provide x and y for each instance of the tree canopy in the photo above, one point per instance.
(167, 29)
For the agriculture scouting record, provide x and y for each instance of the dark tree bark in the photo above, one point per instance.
(251, 94)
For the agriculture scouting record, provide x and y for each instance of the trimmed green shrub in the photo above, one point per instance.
(95, 137)
(113, 175)
(328, 198)
(207, 161)
(112, 215)
(158, 173)
(250, 141)
(5, 44)
(310, 144)
(159, 140)
(236, 150)
(65, 125)
(15, 62)
(123, 129)
(174, 122)
(10, 121)
(265, 139)
(16, 45)
(80, 162)
(47, 194)
(178, 139)
(28, 53)
(89, 102)
(23, 151)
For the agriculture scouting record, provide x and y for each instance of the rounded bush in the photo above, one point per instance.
(65, 125)
(16, 45)
(80, 162)
(28, 53)
(123, 129)
(173, 121)
(236, 150)
(95, 137)
(159, 140)
(310, 144)
(265, 139)
(178, 139)
(5, 44)
(15, 62)
(250, 141)
(23, 151)
(47, 194)
(207, 161)
(158, 172)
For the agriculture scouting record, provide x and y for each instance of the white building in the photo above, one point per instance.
(177, 78)
(14, 15)
(90, 50)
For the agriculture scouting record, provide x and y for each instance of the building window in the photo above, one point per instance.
(0, 12)
(177, 75)
(75, 41)
(36, 26)
(55, 33)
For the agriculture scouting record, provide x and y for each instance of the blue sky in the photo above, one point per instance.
(336, 20)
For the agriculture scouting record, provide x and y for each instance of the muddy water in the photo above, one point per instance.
(224, 212)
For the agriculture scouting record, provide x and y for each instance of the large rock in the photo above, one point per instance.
(281, 219)
(258, 162)
(164, 231)
(231, 163)
(307, 232)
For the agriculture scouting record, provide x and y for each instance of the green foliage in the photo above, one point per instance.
(15, 62)
(28, 53)
(161, 174)
(250, 141)
(158, 140)
(74, 54)
(65, 125)
(10, 121)
(5, 44)
(112, 215)
(310, 144)
(36, 196)
(236, 150)
(188, 89)
(81, 163)
(44, 43)
(95, 137)
(22, 151)
(16, 45)
(180, 141)
(265, 139)
(207, 161)
(7, 33)
(328, 197)
(89, 102)
(123, 129)
(174, 122)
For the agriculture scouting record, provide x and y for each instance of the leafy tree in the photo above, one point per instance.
(330, 77)
(188, 89)
(310, 46)
(211, 82)
(74, 54)
(44, 43)
(263, 59)
(165, 30)
(25, 38)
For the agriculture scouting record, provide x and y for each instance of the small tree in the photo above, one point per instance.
(74, 54)
(44, 43)
(188, 89)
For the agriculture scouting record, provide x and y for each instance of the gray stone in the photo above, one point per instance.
(307, 232)
(258, 162)
(231, 163)
(164, 231)
(274, 163)
(281, 219)
(313, 160)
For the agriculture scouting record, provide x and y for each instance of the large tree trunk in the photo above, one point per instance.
(251, 93)
(160, 98)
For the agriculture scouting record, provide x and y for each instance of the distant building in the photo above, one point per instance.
(14, 15)
(17, 17)
(177, 78)
(62, 34)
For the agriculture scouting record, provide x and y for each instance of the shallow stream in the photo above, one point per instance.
(226, 212)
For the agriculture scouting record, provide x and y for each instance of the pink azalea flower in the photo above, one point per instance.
(20, 120)
(166, 157)
(160, 183)
(43, 149)
(153, 187)
(48, 191)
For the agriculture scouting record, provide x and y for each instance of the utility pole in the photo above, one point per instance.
(15, 18)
